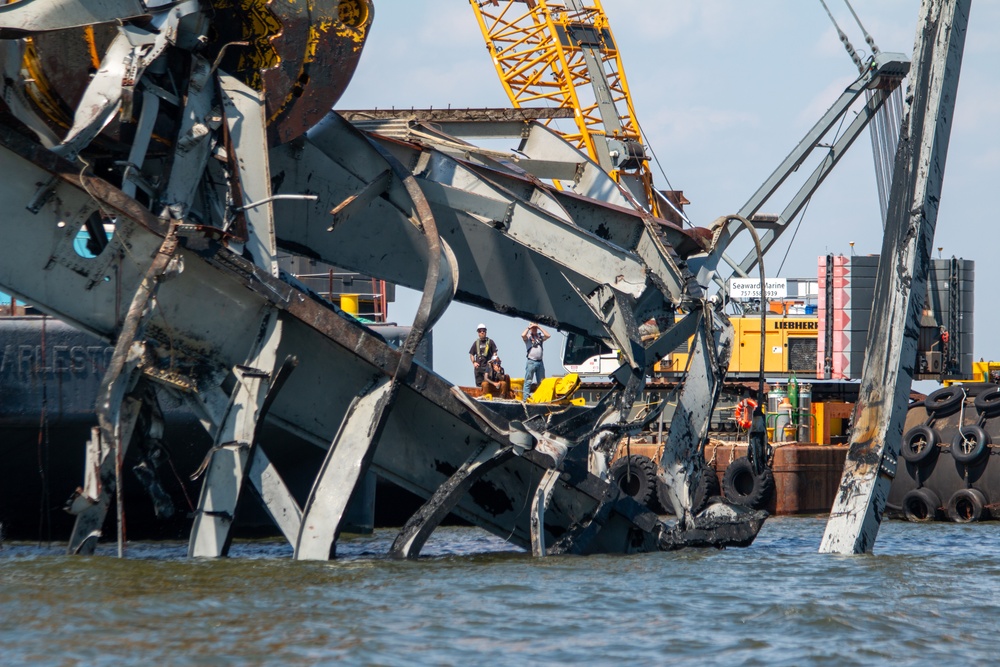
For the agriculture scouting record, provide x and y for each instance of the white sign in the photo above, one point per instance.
(748, 288)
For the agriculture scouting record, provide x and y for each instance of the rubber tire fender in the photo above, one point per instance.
(742, 487)
(944, 400)
(966, 506)
(960, 444)
(635, 475)
(920, 505)
(988, 402)
(708, 487)
(919, 444)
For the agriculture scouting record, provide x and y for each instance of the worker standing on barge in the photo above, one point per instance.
(483, 349)
(534, 337)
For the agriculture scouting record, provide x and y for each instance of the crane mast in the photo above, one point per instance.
(563, 54)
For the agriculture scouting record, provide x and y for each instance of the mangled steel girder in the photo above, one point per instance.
(209, 316)
(302, 55)
(503, 228)
(545, 154)
(681, 465)
(901, 280)
(542, 153)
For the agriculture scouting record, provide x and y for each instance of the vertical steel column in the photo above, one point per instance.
(901, 282)
(235, 439)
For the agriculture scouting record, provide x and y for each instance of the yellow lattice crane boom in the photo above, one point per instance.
(563, 54)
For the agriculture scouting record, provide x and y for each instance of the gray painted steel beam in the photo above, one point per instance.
(244, 111)
(234, 441)
(900, 283)
(194, 140)
(274, 494)
(428, 517)
(495, 255)
(539, 503)
(886, 71)
(681, 466)
(344, 465)
(23, 18)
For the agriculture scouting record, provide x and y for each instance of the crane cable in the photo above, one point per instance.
(886, 123)
(868, 38)
(844, 40)
(885, 131)
(659, 166)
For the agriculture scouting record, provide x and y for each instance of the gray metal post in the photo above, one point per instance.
(901, 282)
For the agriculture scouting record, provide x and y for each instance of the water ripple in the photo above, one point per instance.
(931, 593)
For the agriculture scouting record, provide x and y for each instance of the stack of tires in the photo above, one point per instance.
(636, 476)
(947, 467)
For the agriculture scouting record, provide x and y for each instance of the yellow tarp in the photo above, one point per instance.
(555, 389)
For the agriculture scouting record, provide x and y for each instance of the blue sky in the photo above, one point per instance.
(723, 90)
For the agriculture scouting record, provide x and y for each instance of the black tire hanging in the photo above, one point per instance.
(663, 503)
(919, 444)
(742, 487)
(966, 506)
(710, 483)
(635, 475)
(921, 505)
(944, 401)
(707, 487)
(969, 444)
(988, 402)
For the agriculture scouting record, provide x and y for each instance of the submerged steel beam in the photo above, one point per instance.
(346, 463)
(901, 281)
(235, 439)
(419, 527)
(539, 503)
(681, 465)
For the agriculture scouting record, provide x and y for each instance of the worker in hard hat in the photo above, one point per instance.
(497, 382)
(534, 337)
(482, 350)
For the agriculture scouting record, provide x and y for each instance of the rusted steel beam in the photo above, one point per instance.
(111, 406)
(102, 478)
(498, 115)
(901, 281)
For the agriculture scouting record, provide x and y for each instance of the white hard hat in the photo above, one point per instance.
(480, 326)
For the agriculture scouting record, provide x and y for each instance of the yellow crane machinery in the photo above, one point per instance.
(563, 54)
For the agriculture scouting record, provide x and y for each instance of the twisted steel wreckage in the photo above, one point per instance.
(191, 140)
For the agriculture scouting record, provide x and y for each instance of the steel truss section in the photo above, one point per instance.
(428, 429)
(194, 234)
